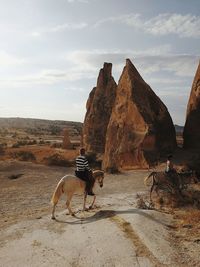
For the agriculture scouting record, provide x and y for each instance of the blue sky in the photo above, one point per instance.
(51, 52)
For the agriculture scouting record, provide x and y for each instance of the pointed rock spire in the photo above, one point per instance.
(191, 132)
(99, 107)
(140, 127)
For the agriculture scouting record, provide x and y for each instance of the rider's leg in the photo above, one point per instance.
(89, 183)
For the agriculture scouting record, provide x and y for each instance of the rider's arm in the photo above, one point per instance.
(86, 165)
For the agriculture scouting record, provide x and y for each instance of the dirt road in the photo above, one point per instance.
(115, 233)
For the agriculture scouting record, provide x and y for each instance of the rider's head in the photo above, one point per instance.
(82, 151)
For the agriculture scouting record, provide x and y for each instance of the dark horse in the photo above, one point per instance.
(173, 183)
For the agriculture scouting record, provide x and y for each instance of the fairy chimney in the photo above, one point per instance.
(99, 107)
(191, 132)
(140, 128)
(66, 140)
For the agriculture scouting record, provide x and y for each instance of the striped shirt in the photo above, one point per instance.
(82, 163)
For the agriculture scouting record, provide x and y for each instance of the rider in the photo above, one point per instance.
(170, 170)
(84, 172)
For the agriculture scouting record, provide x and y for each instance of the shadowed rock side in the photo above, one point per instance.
(140, 127)
(191, 132)
(99, 107)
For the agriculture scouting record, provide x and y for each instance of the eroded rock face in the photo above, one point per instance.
(140, 127)
(66, 140)
(99, 107)
(191, 132)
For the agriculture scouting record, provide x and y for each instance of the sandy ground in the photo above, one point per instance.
(115, 233)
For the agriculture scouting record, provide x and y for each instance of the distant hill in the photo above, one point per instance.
(179, 129)
(74, 128)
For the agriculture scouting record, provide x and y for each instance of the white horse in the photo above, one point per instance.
(70, 185)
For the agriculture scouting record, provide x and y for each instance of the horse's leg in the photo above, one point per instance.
(156, 189)
(91, 206)
(53, 212)
(151, 190)
(84, 201)
(69, 197)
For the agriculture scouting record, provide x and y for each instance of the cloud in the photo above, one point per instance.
(7, 60)
(85, 65)
(148, 61)
(92, 59)
(46, 77)
(59, 28)
(182, 25)
(180, 65)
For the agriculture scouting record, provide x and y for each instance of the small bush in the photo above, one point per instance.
(113, 170)
(2, 149)
(56, 145)
(141, 203)
(15, 176)
(25, 155)
(58, 160)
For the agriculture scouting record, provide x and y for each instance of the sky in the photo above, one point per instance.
(51, 52)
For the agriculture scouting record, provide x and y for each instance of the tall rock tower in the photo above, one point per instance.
(140, 126)
(99, 107)
(191, 134)
(66, 140)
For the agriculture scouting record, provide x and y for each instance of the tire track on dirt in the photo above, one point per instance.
(141, 249)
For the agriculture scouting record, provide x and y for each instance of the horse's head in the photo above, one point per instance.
(99, 176)
(188, 177)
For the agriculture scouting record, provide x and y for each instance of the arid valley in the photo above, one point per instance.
(122, 230)
(99, 133)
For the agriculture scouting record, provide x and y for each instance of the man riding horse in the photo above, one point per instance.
(170, 171)
(84, 172)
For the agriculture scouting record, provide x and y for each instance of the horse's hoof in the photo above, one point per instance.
(73, 214)
(90, 207)
(53, 217)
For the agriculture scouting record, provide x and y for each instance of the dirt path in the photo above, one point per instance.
(115, 233)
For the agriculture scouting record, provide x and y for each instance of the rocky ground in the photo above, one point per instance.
(115, 233)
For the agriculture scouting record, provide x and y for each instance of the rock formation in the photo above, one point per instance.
(140, 127)
(191, 132)
(99, 107)
(66, 140)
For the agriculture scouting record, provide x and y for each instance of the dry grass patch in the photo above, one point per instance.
(189, 217)
(40, 154)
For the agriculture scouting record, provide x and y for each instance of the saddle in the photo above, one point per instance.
(81, 175)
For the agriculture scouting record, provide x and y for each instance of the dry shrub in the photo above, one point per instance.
(166, 200)
(2, 149)
(24, 155)
(141, 203)
(15, 176)
(58, 160)
(191, 217)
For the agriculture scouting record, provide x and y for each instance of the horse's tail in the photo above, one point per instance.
(147, 178)
(58, 192)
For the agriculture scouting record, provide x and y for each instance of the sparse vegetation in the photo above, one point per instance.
(2, 149)
(39, 138)
(24, 155)
(142, 203)
(94, 162)
(15, 176)
(58, 160)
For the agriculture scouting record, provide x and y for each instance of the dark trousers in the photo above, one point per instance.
(172, 176)
(87, 177)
